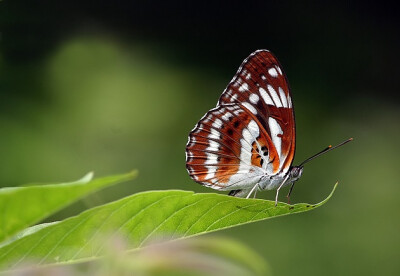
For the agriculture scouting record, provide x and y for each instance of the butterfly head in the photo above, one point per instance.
(295, 173)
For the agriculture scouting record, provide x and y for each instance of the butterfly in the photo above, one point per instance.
(247, 142)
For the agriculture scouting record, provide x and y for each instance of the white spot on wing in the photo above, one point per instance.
(267, 99)
(234, 97)
(250, 107)
(276, 130)
(248, 76)
(217, 123)
(254, 98)
(192, 141)
(274, 96)
(273, 72)
(237, 112)
(226, 116)
(214, 134)
(253, 127)
(222, 110)
(279, 70)
(263, 77)
(249, 134)
(211, 172)
(213, 146)
(212, 159)
(283, 97)
(244, 87)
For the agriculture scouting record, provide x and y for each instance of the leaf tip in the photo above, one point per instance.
(87, 177)
(329, 196)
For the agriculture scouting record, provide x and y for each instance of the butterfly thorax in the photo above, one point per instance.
(273, 182)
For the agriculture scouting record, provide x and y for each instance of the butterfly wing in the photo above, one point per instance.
(228, 149)
(250, 134)
(261, 84)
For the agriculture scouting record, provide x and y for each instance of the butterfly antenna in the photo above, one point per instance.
(325, 151)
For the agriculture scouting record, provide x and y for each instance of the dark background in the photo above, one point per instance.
(114, 85)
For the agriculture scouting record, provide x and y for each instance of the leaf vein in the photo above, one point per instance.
(184, 234)
(132, 218)
(169, 217)
(250, 205)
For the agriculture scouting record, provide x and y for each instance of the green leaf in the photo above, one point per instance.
(24, 206)
(139, 219)
(26, 232)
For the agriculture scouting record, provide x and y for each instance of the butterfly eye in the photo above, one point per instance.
(295, 172)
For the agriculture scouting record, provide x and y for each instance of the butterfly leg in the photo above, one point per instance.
(277, 190)
(254, 189)
(290, 191)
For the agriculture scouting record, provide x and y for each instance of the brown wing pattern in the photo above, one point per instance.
(250, 134)
(229, 141)
(261, 83)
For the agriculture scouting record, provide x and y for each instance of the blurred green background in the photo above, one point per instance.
(110, 86)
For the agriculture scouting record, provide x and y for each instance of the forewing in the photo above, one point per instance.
(261, 86)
